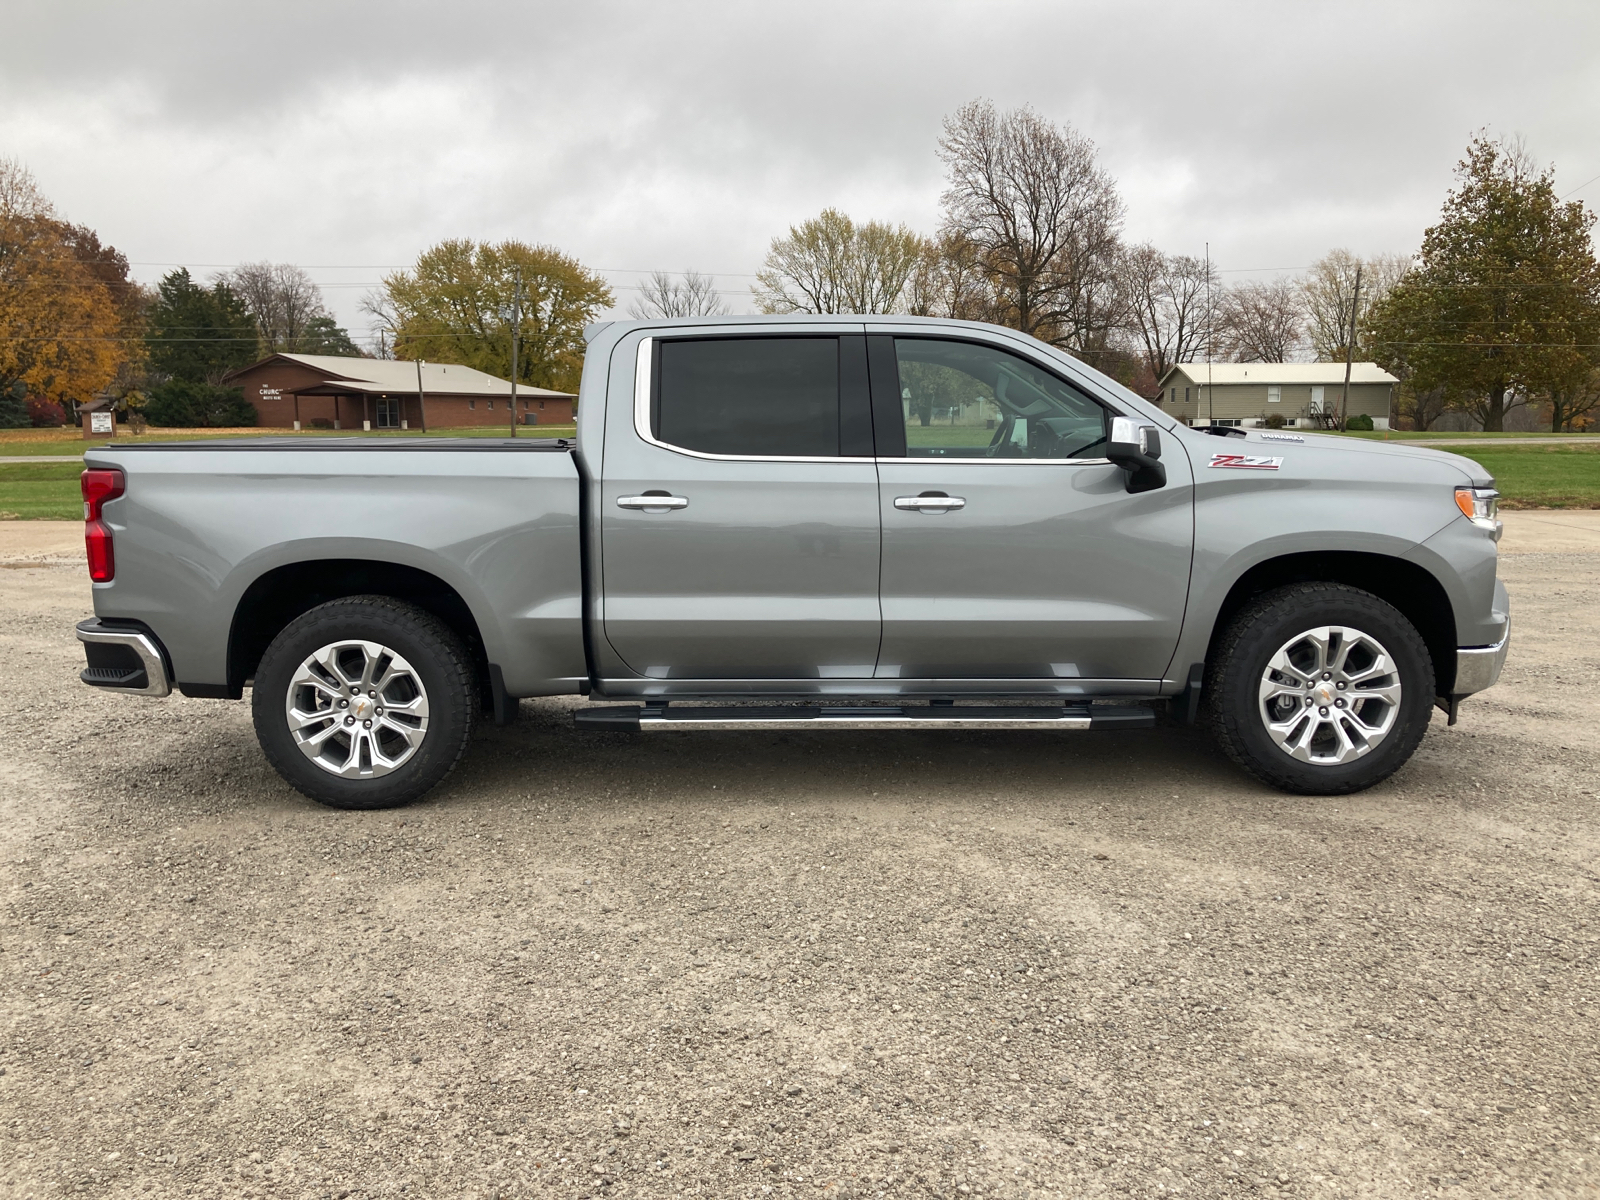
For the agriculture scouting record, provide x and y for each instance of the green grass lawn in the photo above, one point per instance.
(40, 492)
(1548, 476)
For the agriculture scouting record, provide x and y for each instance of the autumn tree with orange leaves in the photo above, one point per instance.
(65, 327)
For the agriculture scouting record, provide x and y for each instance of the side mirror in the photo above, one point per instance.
(1136, 449)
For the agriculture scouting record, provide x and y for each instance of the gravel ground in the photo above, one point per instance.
(822, 965)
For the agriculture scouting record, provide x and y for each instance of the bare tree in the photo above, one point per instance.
(830, 264)
(282, 298)
(1328, 290)
(1261, 321)
(1045, 218)
(20, 197)
(950, 282)
(694, 295)
(1575, 401)
(1165, 299)
(1422, 408)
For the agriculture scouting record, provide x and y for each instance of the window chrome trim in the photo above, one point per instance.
(1004, 462)
(641, 422)
(641, 426)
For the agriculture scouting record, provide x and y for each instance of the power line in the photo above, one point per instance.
(1579, 188)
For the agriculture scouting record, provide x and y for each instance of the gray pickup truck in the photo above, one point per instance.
(805, 523)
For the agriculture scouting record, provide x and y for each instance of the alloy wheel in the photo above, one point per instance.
(1330, 695)
(357, 709)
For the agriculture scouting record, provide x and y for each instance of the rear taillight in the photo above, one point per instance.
(99, 485)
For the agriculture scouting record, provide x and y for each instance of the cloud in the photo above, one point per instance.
(643, 136)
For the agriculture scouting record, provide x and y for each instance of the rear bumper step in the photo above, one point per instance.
(123, 658)
(653, 718)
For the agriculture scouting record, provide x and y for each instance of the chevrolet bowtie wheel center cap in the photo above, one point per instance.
(1329, 695)
(357, 709)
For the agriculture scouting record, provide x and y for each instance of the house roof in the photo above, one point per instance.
(1301, 374)
(380, 375)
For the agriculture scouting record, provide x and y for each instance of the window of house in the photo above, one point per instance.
(490, 405)
(471, 404)
(750, 396)
(964, 400)
(387, 413)
(1185, 395)
(1274, 394)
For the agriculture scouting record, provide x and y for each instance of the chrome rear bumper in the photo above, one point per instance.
(123, 659)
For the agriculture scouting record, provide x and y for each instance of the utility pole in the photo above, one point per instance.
(1210, 392)
(1350, 345)
(516, 334)
(422, 400)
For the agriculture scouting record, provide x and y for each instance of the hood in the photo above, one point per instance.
(1324, 443)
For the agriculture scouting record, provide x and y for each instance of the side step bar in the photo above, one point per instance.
(653, 718)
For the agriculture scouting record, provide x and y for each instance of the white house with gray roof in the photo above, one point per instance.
(1302, 393)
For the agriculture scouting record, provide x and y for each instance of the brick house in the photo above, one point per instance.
(291, 391)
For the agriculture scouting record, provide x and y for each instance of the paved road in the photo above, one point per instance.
(826, 965)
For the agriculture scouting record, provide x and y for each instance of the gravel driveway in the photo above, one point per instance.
(816, 965)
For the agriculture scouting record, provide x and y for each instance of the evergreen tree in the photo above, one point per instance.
(14, 407)
(198, 334)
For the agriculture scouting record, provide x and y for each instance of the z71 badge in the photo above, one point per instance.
(1247, 462)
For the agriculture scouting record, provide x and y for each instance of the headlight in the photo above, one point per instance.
(1481, 506)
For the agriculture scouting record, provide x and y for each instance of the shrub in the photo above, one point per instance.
(1273, 421)
(178, 404)
(46, 414)
(1360, 421)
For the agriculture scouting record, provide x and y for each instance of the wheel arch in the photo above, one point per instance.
(1412, 589)
(280, 595)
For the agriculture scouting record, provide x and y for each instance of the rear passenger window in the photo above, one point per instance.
(749, 396)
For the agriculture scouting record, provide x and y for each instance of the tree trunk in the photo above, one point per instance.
(1494, 413)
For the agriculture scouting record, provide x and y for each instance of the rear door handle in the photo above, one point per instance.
(653, 503)
(939, 503)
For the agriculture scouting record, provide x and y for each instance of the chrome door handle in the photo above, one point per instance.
(929, 503)
(661, 503)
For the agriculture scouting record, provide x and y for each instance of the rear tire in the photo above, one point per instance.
(364, 702)
(1320, 689)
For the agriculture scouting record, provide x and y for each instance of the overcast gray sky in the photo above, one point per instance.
(348, 137)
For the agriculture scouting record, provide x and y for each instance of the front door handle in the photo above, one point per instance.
(930, 502)
(653, 502)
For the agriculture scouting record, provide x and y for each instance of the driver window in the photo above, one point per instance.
(963, 400)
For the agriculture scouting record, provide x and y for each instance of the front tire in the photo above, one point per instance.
(1320, 689)
(364, 702)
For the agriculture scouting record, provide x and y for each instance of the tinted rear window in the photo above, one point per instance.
(749, 396)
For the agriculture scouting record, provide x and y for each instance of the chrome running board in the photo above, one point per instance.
(654, 718)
